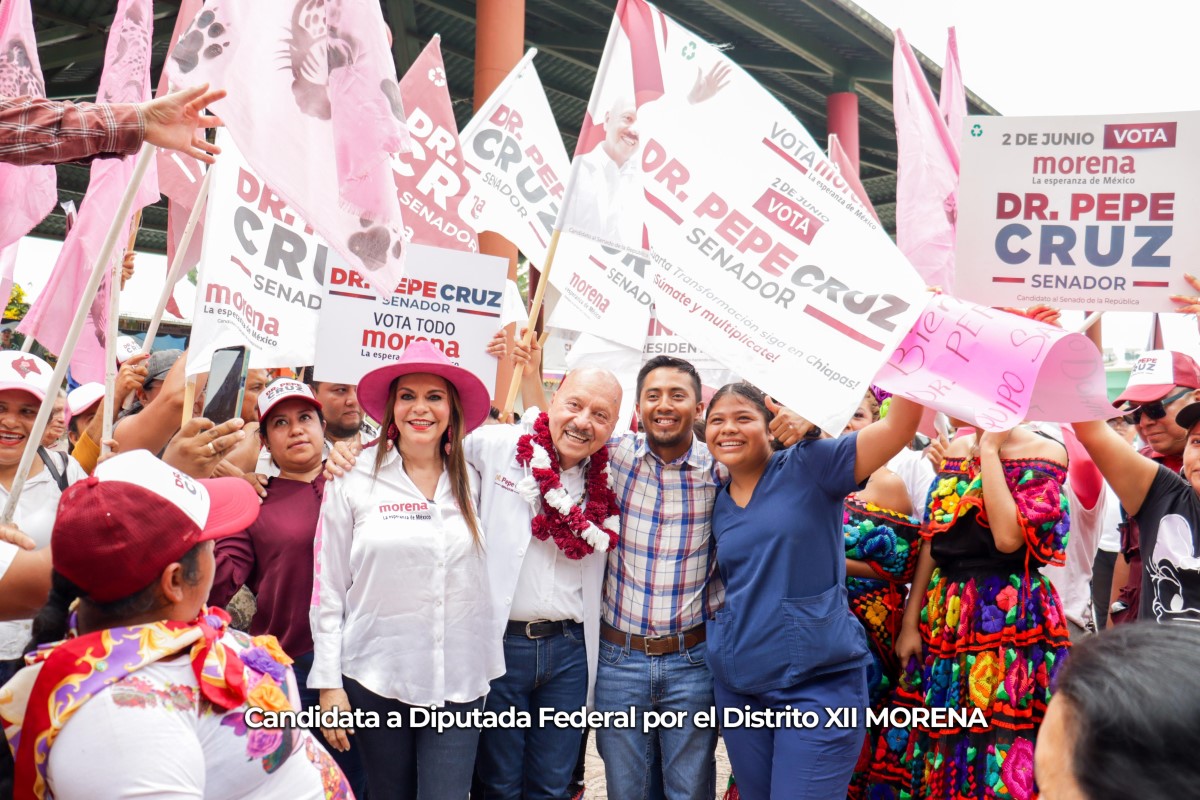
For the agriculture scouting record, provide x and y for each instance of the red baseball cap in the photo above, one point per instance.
(1156, 373)
(117, 530)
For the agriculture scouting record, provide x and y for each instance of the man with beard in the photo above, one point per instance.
(344, 417)
(661, 584)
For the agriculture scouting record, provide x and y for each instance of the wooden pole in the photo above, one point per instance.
(534, 308)
(64, 358)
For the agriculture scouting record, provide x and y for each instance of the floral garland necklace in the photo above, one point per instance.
(578, 530)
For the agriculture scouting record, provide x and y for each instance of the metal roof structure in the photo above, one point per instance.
(800, 50)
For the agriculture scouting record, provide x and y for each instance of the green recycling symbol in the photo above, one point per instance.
(977, 130)
(689, 51)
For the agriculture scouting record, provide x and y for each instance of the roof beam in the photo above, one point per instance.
(92, 47)
(786, 36)
(406, 40)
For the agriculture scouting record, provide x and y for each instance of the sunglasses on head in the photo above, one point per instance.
(1154, 411)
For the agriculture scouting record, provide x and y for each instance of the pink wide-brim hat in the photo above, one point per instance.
(424, 357)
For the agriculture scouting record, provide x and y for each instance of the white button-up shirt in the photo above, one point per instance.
(550, 585)
(508, 518)
(400, 600)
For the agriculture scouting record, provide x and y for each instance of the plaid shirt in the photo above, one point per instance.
(38, 131)
(662, 577)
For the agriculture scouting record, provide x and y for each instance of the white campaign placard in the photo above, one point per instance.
(1091, 213)
(261, 274)
(709, 199)
(451, 298)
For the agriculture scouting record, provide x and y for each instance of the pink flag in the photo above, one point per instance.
(846, 167)
(952, 102)
(126, 79)
(8, 264)
(431, 178)
(926, 173)
(179, 175)
(315, 108)
(26, 193)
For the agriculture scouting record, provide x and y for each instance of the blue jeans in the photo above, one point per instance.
(534, 763)
(413, 763)
(675, 762)
(351, 760)
(797, 763)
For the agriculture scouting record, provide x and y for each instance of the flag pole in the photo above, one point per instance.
(535, 308)
(173, 275)
(112, 330)
(64, 358)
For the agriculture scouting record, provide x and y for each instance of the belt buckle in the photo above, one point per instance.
(529, 632)
(647, 641)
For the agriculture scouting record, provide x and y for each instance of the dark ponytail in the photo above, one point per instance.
(50, 624)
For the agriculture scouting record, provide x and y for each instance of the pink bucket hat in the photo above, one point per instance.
(424, 357)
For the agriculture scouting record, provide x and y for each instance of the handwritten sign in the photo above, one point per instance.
(995, 369)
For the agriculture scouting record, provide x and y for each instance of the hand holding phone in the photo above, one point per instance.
(226, 387)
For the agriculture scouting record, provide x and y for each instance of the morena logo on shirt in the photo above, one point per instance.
(404, 508)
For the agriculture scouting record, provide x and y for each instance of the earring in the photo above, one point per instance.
(393, 432)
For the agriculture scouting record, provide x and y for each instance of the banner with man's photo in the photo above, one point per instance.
(695, 189)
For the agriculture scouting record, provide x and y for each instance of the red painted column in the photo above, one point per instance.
(842, 119)
(499, 45)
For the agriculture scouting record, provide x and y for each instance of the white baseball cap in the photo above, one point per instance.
(83, 397)
(127, 348)
(282, 389)
(25, 372)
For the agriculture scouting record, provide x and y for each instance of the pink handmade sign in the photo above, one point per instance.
(996, 369)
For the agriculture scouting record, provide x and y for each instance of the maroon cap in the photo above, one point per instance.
(1156, 373)
(117, 530)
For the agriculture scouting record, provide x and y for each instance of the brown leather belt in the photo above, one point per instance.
(653, 645)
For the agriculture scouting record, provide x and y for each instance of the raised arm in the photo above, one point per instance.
(153, 426)
(1128, 472)
(879, 441)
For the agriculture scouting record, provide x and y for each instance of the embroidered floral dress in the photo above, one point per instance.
(888, 542)
(993, 630)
